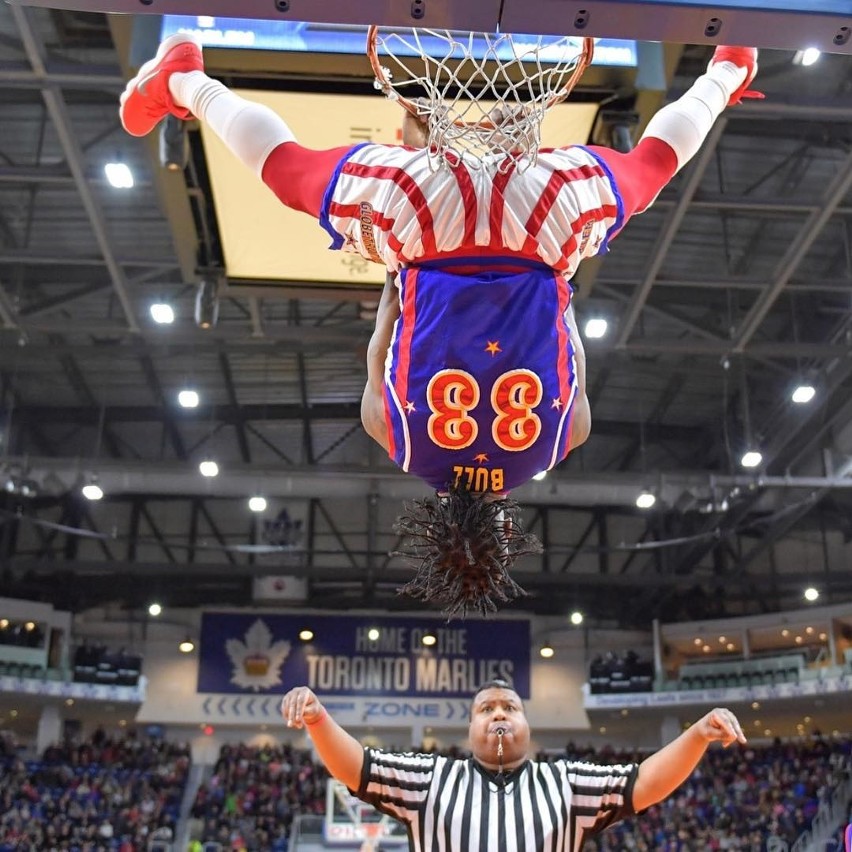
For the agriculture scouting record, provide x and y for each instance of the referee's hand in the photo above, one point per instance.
(300, 707)
(721, 725)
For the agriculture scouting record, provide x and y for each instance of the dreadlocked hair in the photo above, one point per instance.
(462, 546)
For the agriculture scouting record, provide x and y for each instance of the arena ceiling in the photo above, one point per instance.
(732, 289)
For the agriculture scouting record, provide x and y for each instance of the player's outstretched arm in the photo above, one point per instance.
(684, 124)
(663, 772)
(262, 140)
(341, 753)
(676, 132)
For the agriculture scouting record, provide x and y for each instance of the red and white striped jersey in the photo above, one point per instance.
(389, 205)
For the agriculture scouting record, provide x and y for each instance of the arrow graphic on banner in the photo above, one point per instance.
(225, 705)
(456, 708)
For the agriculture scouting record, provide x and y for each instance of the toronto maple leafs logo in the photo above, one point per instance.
(258, 660)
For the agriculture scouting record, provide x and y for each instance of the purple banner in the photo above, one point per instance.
(360, 655)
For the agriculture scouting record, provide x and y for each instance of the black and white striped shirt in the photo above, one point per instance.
(452, 805)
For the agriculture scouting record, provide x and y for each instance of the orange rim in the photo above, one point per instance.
(379, 72)
(583, 61)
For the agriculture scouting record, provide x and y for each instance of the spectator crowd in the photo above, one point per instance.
(101, 795)
(759, 798)
(119, 795)
(254, 794)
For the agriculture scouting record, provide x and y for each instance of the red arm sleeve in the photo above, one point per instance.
(641, 174)
(299, 176)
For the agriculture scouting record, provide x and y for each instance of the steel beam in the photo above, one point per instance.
(129, 477)
(42, 258)
(395, 574)
(20, 75)
(673, 222)
(794, 256)
(58, 111)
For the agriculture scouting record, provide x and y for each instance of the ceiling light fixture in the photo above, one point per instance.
(596, 328)
(751, 458)
(162, 313)
(811, 594)
(576, 618)
(645, 500)
(803, 394)
(807, 57)
(119, 175)
(546, 651)
(208, 468)
(92, 491)
(257, 503)
(306, 635)
(207, 301)
(174, 144)
(187, 646)
(188, 398)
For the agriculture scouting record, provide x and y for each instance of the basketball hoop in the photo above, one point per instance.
(482, 95)
(372, 833)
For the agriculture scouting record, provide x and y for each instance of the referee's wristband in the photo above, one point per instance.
(318, 719)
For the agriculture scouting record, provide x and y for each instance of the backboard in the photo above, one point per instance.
(791, 24)
(349, 822)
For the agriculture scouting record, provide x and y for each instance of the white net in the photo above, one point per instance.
(373, 834)
(481, 96)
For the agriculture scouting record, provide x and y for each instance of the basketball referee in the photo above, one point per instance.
(499, 800)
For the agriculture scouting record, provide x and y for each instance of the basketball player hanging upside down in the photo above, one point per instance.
(476, 370)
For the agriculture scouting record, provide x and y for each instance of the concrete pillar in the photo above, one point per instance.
(670, 729)
(49, 728)
(832, 643)
(659, 673)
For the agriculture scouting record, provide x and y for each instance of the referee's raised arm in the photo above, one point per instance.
(341, 753)
(664, 771)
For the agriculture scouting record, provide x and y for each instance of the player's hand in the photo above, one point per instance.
(506, 115)
(300, 707)
(721, 725)
(743, 57)
(415, 128)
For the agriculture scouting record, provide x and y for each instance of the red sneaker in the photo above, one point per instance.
(742, 57)
(146, 98)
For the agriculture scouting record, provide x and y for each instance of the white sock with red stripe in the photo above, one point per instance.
(684, 124)
(251, 131)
